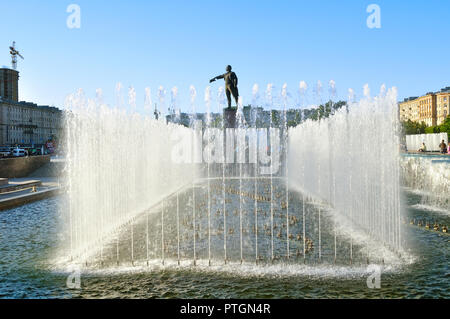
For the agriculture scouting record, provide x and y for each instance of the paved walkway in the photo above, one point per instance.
(426, 153)
(50, 187)
(46, 181)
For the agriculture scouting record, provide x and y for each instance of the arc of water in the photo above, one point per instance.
(70, 153)
(208, 124)
(366, 185)
(132, 98)
(351, 218)
(193, 94)
(398, 204)
(193, 221)
(285, 96)
(209, 219)
(350, 159)
(224, 208)
(178, 229)
(148, 102)
(101, 240)
(130, 191)
(287, 212)
(173, 100)
(162, 233)
(303, 87)
(119, 98)
(240, 124)
(381, 229)
(220, 96)
(71, 230)
(271, 195)
(269, 99)
(146, 238)
(332, 90)
(335, 222)
(303, 215)
(161, 97)
(117, 248)
(132, 243)
(368, 216)
(256, 183)
(319, 99)
(240, 210)
(320, 229)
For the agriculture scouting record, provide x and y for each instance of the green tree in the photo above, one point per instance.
(217, 123)
(275, 118)
(445, 127)
(432, 130)
(410, 128)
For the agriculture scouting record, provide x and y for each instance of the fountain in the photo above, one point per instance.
(223, 190)
(428, 176)
(347, 159)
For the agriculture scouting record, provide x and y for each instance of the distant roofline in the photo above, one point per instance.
(29, 104)
(412, 98)
(9, 69)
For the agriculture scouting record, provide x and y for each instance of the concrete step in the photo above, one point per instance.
(16, 186)
(23, 199)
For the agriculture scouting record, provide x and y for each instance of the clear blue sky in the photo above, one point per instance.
(179, 43)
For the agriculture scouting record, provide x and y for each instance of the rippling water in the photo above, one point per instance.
(30, 238)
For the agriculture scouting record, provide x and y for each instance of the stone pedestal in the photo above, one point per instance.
(229, 117)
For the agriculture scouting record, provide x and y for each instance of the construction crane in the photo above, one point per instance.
(14, 53)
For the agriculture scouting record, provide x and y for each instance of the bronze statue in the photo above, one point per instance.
(231, 82)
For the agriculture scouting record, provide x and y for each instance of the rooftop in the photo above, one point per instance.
(443, 90)
(30, 105)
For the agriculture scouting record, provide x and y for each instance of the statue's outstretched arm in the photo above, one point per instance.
(216, 78)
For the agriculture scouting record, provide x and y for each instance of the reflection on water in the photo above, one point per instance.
(29, 240)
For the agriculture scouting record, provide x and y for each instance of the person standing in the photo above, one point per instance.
(443, 147)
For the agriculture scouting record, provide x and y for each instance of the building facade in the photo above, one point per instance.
(24, 123)
(409, 110)
(442, 106)
(431, 108)
(9, 84)
(427, 109)
(28, 124)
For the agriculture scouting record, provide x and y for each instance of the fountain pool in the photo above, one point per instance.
(28, 268)
(160, 209)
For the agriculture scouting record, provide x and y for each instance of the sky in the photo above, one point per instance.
(182, 43)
